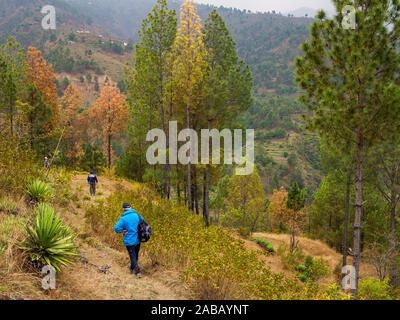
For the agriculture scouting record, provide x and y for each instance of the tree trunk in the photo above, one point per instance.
(12, 123)
(185, 192)
(346, 221)
(357, 216)
(140, 163)
(165, 168)
(206, 211)
(189, 173)
(392, 240)
(109, 151)
(178, 190)
(196, 199)
(292, 237)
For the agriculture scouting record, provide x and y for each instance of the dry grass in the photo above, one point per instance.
(17, 279)
(83, 281)
(314, 248)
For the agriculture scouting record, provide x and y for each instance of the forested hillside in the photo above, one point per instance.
(267, 42)
(127, 88)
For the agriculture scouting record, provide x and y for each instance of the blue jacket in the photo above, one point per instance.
(129, 222)
(92, 178)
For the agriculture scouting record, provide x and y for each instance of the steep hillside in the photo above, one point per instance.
(268, 42)
(22, 19)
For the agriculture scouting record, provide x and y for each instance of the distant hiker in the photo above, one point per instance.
(92, 180)
(46, 163)
(128, 226)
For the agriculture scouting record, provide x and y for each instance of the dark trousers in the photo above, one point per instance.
(93, 189)
(134, 256)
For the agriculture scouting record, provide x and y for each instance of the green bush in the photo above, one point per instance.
(48, 241)
(374, 289)
(244, 231)
(16, 165)
(312, 269)
(290, 260)
(267, 245)
(318, 269)
(283, 227)
(39, 191)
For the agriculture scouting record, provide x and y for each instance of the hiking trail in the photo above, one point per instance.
(102, 272)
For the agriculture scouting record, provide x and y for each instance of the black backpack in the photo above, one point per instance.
(144, 230)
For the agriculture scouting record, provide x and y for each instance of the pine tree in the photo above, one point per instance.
(188, 69)
(342, 169)
(150, 73)
(228, 85)
(13, 79)
(350, 78)
(295, 201)
(39, 116)
(386, 177)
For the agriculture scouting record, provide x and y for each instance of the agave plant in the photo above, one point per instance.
(40, 191)
(49, 242)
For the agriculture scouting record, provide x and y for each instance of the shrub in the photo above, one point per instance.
(212, 262)
(374, 289)
(335, 292)
(8, 206)
(244, 231)
(283, 228)
(290, 260)
(318, 268)
(48, 241)
(313, 269)
(39, 191)
(267, 245)
(16, 165)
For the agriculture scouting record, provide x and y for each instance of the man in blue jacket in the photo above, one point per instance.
(128, 226)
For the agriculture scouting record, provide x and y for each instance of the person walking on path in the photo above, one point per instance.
(128, 226)
(46, 163)
(92, 180)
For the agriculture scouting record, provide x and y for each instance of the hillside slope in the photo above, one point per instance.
(101, 271)
(84, 278)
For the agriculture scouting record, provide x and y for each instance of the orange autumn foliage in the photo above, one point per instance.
(42, 76)
(109, 115)
(73, 121)
(278, 207)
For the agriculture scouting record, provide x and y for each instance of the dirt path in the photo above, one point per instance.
(84, 280)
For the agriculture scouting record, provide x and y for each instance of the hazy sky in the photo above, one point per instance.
(268, 5)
